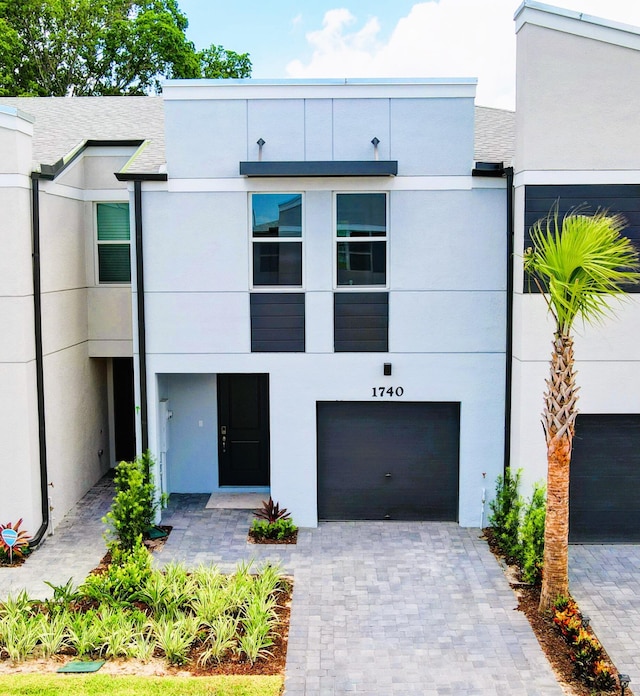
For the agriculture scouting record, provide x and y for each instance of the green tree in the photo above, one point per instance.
(102, 47)
(580, 263)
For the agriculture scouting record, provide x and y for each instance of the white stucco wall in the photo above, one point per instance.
(576, 116)
(19, 464)
(75, 386)
(576, 106)
(446, 274)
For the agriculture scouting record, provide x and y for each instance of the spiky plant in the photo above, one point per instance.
(271, 511)
(580, 263)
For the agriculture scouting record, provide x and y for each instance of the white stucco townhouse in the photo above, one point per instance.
(313, 289)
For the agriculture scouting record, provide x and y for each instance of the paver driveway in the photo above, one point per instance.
(378, 608)
(383, 607)
(605, 581)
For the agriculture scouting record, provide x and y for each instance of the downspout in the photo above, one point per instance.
(37, 317)
(142, 348)
(508, 171)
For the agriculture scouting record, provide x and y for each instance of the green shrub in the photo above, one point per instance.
(280, 529)
(121, 583)
(505, 515)
(532, 536)
(133, 509)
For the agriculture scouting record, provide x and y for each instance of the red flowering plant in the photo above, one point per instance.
(587, 652)
(567, 618)
(19, 548)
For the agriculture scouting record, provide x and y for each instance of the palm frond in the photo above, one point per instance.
(581, 263)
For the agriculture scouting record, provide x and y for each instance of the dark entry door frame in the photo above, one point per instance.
(243, 430)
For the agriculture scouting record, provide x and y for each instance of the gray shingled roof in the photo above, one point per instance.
(495, 135)
(63, 123)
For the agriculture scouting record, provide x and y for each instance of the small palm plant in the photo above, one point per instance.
(579, 264)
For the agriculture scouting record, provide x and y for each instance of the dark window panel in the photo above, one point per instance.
(277, 323)
(277, 263)
(113, 263)
(616, 198)
(362, 263)
(361, 214)
(361, 322)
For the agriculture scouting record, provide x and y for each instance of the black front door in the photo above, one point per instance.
(124, 410)
(243, 430)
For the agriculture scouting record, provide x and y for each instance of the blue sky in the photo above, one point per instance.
(379, 38)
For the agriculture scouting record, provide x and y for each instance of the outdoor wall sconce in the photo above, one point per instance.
(260, 143)
(585, 620)
(625, 679)
(375, 142)
(387, 369)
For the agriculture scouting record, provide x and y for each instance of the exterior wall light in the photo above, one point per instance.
(387, 369)
(375, 142)
(260, 143)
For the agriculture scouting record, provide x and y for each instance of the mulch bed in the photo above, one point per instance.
(272, 664)
(554, 646)
(252, 539)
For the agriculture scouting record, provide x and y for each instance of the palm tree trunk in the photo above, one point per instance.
(559, 423)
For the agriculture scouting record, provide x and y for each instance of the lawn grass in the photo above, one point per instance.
(100, 684)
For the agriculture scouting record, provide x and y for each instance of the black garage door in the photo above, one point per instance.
(604, 492)
(388, 460)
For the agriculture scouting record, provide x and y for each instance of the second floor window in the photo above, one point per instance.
(361, 230)
(276, 221)
(112, 222)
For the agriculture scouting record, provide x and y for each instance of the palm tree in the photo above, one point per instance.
(579, 263)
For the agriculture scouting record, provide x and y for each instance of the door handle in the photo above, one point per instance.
(223, 433)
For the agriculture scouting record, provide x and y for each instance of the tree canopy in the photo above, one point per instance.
(102, 47)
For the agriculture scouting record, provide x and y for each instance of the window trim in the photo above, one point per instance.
(287, 240)
(97, 243)
(336, 240)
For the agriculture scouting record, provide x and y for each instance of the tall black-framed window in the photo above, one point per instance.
(276, 234)
(361, 239)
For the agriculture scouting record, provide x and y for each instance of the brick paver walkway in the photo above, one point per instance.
(605, 581)
(75, 549)
(378, 608)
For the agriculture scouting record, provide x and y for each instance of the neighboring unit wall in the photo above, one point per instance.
(19, 452)
(446, 272)
(576, 122)
(84, 324)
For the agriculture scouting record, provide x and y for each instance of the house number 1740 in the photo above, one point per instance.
(386, 391)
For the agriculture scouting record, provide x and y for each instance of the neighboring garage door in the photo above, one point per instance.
(388, 460)
(604, 492)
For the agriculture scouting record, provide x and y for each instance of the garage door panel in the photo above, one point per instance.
(605, 479)
(388, 460)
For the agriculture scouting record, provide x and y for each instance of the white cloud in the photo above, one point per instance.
(438, 38)
(296, 21)
(450, 38)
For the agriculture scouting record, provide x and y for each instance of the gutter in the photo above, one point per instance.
(37, 315)
(142, 344)
(497, 169)
(508, 171)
